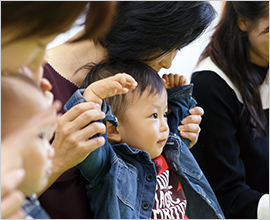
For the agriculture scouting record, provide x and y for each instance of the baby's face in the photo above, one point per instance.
(38, 162)
(145, 126)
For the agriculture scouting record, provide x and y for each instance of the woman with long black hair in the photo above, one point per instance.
(231, 85)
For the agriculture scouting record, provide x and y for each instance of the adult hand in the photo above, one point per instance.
(190, 128)
(71, 143)
(11, 198)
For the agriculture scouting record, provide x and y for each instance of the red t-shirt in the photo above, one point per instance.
(170, 200)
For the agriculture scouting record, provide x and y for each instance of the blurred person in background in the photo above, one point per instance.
(26, 29)
(231, 83)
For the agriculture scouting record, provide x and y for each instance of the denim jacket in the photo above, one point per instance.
(32, 208)
(122, 179)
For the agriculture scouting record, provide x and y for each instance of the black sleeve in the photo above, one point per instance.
(217, 150)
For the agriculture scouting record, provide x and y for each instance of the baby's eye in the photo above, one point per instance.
(154, 115)
(41, 135)
(166, 114)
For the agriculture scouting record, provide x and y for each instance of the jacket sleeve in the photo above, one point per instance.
(179, 102)
(96, 164)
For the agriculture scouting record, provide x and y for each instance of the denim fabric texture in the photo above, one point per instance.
(122, 179)
(33, 210)
(180, 101)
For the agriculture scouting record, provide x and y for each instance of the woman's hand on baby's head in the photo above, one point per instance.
(173, 80)
(120, 83)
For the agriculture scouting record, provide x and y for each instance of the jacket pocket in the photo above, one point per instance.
(127, 184)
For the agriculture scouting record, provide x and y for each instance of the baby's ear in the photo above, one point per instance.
(112, 133)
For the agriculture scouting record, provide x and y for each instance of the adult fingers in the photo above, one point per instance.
(78, 138)
(45, 84)
(49, 97)
(74, 148)
(88, 146)
(11, 200)
(77, 110)
(192, 128)
(193, 137)
(10, 179)
(191, 132)
(192, 119)
(89, 131)
(196, 111)
(10, 203)
(80, 121)
(18, 214)
(195, 116)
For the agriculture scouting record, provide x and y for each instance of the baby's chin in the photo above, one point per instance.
(157, 154)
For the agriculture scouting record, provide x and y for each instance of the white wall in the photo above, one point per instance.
(185, 60)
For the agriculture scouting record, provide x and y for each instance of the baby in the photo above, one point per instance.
(139, 172)
(21, 99)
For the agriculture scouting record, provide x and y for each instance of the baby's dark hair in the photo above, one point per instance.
(146, 77)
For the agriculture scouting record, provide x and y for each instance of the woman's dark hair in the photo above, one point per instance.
(145, 30)
(147, 79)
(44, 18)
(229, 50)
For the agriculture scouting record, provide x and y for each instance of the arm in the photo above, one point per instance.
(120, 83)
(190, 124)
(72, 141)
(108, 87)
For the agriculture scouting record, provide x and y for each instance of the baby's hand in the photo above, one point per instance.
(173, 80)
(121, 83)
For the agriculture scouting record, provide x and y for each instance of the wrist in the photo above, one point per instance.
(90, 96)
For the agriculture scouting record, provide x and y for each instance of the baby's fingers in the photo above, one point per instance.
(126, 81)
(174, 80)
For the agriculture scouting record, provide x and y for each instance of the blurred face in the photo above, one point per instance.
(164, 61)
(145, 125)
(29, 52)
(259, 43)
(38, 161)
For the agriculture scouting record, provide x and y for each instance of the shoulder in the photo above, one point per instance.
(212, 91)
(209, 79)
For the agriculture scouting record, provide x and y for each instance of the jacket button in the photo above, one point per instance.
(145, 206)
(149, 177)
